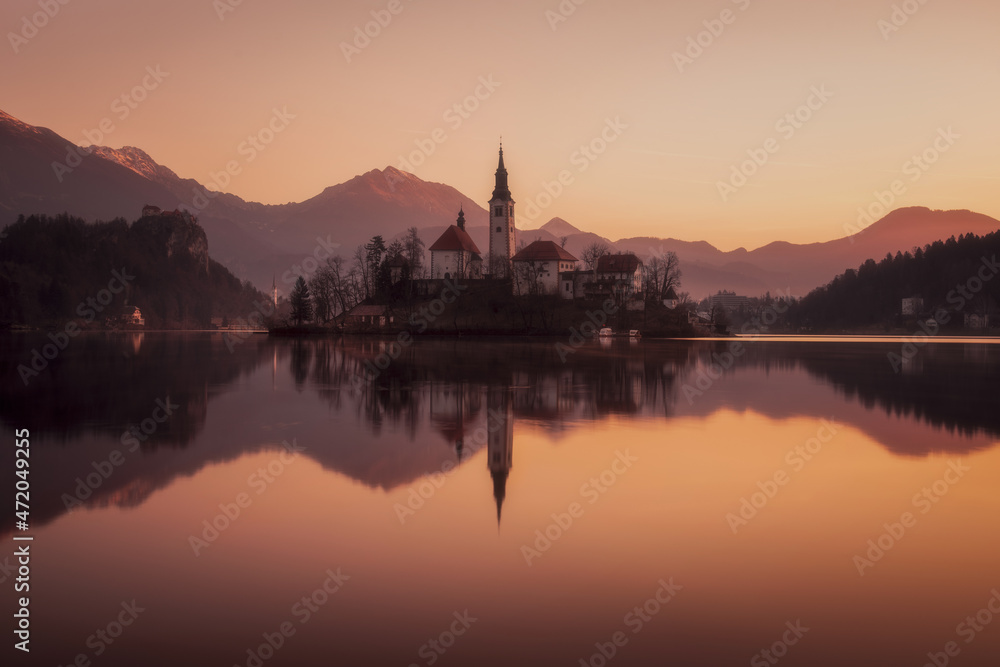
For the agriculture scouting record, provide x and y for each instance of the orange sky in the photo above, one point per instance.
(887, 94)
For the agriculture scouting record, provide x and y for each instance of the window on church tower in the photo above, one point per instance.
(499, 230)
(498, 211)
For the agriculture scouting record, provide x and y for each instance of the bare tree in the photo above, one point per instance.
(334, 289)
(324, 300)
(593, 252)
(662, 271)
(526, 278)
(354, 290)
(413, 250)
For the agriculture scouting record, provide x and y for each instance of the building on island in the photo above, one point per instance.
(728, 301)
(625, 269)
(670, 299)
(913, 305)
(616, 276)
(367, 317)
(542, 268)
(977, 321)
(454, 254)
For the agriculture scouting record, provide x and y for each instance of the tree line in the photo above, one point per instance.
(49, 265)
(954, 275)
(340, 284)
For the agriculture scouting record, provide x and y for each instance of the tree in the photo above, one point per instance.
(374, 250)
(413, 250)
(394, 250)
(528, 278)
(334, 289)
(360, 271)
(301, 303)
(663, 271)
(593, 252)
(323, 289)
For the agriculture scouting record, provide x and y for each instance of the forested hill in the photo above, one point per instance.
(957, 275)
(57, 269)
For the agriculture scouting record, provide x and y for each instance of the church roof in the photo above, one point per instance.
(627, 263)
(542, 251)
(455, 239)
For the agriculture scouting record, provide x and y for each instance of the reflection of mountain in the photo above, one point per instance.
(114, 391)
(440, 403)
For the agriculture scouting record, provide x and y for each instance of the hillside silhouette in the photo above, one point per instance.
(51, 266)
(953, 278)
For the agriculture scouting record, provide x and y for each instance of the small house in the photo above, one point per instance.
(541, 268)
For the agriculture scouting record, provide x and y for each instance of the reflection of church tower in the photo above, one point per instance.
(500, 441)
(501, 207)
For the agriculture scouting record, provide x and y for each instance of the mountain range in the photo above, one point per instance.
(42, 172)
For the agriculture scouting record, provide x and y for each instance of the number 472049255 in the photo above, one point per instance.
(22, 454)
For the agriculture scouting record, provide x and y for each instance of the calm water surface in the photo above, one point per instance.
(495, 502)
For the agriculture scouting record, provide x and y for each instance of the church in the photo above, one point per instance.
(455, 254)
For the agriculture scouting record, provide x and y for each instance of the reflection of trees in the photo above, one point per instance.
(947, 386)
(104, 383)
(301, 354)
(943, 386)
(591, 383)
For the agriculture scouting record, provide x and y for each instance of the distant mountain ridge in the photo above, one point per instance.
(259, 241)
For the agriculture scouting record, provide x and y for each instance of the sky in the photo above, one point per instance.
(738, 122)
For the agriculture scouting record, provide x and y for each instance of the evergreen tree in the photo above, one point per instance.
(301, 303)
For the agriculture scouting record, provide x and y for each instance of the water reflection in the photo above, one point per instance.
(409, 480)
(403, 412)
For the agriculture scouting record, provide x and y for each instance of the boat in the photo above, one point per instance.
(606, 332)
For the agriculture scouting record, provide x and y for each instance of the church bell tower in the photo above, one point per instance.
(502, 231)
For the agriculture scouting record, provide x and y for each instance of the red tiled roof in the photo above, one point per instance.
(618, 263)
(455, 239)
(543, 251)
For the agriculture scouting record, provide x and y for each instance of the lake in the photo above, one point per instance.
(357, 501)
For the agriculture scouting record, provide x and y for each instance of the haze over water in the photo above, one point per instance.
(491, 480)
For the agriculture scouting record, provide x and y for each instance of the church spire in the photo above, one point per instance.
(501, 191)
(461, 218)
(499, 489)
